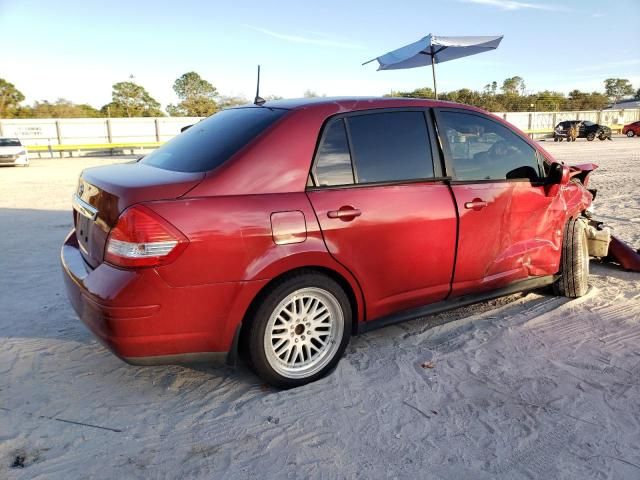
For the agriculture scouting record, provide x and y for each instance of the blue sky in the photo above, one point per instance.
(77, 49)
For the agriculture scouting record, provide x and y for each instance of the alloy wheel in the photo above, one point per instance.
(303, 332)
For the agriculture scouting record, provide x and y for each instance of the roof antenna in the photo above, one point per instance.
(258, 100)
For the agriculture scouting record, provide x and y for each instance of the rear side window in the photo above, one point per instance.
(333, 160)
(390, 146)
(209, 143)
(482, 149)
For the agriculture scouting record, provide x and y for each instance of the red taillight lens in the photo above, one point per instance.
(142, 238)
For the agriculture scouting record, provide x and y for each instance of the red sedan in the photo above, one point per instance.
(278, 231)
(631, 129)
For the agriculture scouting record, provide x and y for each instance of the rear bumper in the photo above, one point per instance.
(145, 321)
(14, 160)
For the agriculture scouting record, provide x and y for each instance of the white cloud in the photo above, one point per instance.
(516, 5)
(322, 41)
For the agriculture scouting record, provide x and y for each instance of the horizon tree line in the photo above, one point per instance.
(200, 98)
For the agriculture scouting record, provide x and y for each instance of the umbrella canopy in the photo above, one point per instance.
(434, 49)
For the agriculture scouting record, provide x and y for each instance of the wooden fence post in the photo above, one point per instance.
(109, 137)
(157, 123)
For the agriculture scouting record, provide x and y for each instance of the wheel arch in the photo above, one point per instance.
(351, 289)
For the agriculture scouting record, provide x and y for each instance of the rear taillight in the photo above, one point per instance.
(142, 238)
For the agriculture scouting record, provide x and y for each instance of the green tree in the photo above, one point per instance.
(197, 97)
(616, 88)
(128, 99)
(10, 98)
(637, 95)
(513, 86)
(491, 88)
(586, 101)
(424, 92)
(312, 94)
(61, 108)
(228, 102)
(547, 100)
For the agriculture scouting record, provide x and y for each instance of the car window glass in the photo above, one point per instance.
(588, 124)
(483, 149)
(209, 143)
(390, 146)
(333, 160)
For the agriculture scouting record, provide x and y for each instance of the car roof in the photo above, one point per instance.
(356, 103)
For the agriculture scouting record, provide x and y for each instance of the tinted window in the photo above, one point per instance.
(333, 164)
(485, 150)
(587, 123)
(390, 146)
(207, 144)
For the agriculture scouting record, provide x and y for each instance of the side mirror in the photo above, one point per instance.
(558, 175)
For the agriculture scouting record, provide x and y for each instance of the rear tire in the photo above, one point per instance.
(591, 137)
(300, 330)
(574, 261)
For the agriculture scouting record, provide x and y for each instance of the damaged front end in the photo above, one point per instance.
(609, 248)
(601, 243)
(621, 253)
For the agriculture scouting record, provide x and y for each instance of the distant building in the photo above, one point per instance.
(623, 105)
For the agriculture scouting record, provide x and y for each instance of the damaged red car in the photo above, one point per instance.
(278, 231)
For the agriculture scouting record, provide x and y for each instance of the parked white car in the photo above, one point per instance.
(12, 152)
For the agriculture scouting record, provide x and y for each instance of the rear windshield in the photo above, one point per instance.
(209, 143)
(9, 142)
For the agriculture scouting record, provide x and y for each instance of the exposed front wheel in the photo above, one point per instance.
(630, 133)
(300, 330)
(574, 261)
(591, 137)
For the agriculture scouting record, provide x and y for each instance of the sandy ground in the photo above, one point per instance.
(524, 387)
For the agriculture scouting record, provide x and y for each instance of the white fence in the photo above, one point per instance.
(539, 123)
(94, 131)
(108, 133)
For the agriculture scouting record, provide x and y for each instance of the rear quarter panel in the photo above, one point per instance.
(231, 240)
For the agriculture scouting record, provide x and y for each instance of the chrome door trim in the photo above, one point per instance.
(83, 208)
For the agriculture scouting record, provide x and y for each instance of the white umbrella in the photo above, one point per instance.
(434, 49)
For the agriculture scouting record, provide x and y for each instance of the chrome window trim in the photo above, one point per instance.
(83, 208)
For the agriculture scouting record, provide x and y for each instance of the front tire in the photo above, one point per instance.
(300, 330)
(630, 133)
(574, 261)
(591, 137)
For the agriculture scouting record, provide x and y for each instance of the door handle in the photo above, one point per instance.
(344, 213)
(475, 204)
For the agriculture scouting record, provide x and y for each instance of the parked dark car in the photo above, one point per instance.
(586, 129)
(279, 231)
(631, 129)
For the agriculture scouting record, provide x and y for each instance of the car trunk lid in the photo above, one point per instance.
(103, 193)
